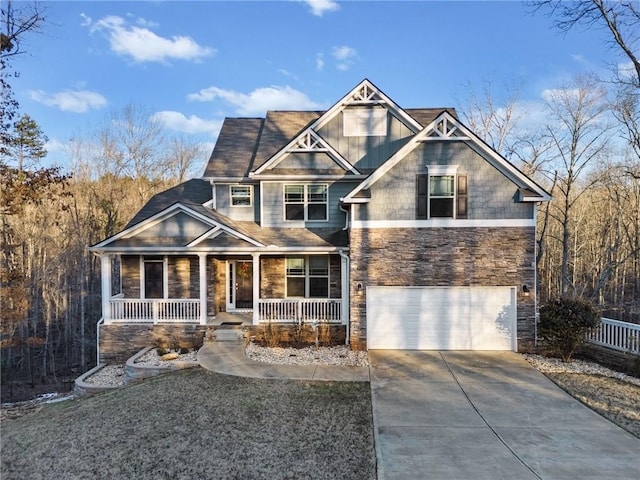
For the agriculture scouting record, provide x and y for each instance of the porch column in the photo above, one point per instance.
(256, 287)
(105, 272)
(203, 288)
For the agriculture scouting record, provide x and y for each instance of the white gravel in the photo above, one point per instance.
(556, 365)
(338, 355)
(112, 375)
(152, 358)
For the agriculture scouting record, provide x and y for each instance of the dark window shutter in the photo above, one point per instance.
(461, 197)
(422, 197)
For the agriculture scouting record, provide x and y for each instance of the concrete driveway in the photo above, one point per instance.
(487, 415)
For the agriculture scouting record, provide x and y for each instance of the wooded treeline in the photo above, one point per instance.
(582, 143)
(50, 283)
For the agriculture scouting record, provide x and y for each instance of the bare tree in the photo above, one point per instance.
(620, 18)
(578, 132)
(184, 156)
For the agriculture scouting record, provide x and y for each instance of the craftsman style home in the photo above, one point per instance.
(399, 226)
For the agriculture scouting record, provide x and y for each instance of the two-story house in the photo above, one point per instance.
(400, 227)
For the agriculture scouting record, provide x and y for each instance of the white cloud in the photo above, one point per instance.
(143, 45)
(319, 61)
(193, 124)
(345, 56)
(319, 7)
(78, 101)
(555, 94)
(258, 101)
(86, 20)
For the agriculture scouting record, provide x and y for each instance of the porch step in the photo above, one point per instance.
(224, 334)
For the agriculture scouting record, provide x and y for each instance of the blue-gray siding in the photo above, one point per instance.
(244, 214)
(366, 153)
(490, 194)
(273, 205)
(179, 225)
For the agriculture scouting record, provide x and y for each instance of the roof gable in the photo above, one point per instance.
(445, 127)
(178, 225)
(364, 94)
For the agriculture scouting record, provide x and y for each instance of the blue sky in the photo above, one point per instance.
(194, 63)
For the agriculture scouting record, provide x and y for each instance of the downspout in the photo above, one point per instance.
(100, 322)
(346, 215)
(346, 282)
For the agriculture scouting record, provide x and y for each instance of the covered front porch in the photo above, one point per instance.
(210, 289)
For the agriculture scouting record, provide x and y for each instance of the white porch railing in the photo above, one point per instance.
(141, 310)
(617, 335)
(289, 310)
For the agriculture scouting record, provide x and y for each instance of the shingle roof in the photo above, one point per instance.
(196, 191)
(427, 115)
(235, 148)
(244, 144)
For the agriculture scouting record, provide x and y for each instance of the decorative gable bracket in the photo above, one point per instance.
(444, 129)
(365, 95)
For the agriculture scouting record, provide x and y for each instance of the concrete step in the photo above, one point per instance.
(226, 334)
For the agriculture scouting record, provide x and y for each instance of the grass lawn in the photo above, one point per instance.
(198, 424)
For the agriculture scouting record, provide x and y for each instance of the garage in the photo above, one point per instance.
(441, 318)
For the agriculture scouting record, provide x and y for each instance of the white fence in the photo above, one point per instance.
(289, 310)
(134, 310)
(617, 335)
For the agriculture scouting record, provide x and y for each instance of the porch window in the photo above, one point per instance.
(241, 195)
(153, 277)
(306, 202)
(308, 276)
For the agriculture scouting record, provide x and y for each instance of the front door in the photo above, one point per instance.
(241, 274)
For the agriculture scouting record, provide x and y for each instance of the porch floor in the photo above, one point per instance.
(245, 317)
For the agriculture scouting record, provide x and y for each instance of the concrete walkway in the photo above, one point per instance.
(487, 415)
(229, 358)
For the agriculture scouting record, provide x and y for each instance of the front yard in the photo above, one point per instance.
(198, 424)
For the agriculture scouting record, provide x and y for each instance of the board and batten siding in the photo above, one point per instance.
(273, 204)
(367, 152)
(243, 214)
(491, 195)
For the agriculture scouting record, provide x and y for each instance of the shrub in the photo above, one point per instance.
(564, 324)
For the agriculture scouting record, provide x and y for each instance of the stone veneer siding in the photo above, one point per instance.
(443, 257)
(118, 341)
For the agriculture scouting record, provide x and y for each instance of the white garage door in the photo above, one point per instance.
(441, 318)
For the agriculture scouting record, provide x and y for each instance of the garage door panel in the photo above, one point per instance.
(441, 318)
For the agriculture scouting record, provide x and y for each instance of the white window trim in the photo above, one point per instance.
(349, 123)
(305, 202)
(231, 187)
(307, 276)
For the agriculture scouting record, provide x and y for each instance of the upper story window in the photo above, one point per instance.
(306, 202)
(241, 195)
(365, 122)
(441, 193)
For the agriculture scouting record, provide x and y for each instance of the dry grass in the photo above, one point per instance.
(614, 399)
(198, 424)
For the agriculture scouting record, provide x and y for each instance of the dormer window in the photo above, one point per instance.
(241, 195)
(365, 122)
